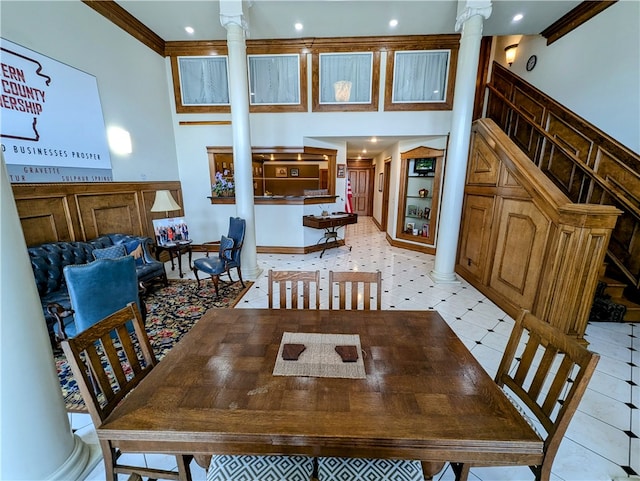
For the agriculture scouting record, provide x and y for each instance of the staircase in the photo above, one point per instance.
(615, 290)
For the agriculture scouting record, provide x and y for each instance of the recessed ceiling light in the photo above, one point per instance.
(393, 23)
(518, 17)
(364, 151)
(374, 139)
(189, 30)
(298, 26)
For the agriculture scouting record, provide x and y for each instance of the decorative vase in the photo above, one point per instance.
(423, 192)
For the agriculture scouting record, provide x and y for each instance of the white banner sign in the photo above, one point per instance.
(51, 123)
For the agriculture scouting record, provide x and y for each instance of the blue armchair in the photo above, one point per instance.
(229, 250)
(99, 289)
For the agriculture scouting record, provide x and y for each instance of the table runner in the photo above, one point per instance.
(320, 359)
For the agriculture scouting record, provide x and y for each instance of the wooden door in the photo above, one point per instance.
(386, 174)
(361, 190)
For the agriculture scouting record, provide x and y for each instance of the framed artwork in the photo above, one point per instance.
(171, 231)
(341, 171)
(294, 172)
(281, 172)
(380, 181)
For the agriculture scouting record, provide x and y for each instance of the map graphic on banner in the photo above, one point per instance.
(51, 123)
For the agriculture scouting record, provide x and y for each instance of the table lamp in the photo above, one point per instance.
(164, 202)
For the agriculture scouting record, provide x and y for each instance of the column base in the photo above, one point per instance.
(444, 277)
(252, 273)
(81, 462)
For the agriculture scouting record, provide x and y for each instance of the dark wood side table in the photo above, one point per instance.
(176, 249)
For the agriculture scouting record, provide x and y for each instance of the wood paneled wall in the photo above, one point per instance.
(84, 211)
(523, 243)
(587, 165)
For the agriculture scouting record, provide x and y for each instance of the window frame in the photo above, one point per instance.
(301, 105)
(177, 87)
(372, 105)
(446, 104)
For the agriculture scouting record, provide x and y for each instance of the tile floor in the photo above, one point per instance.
(602, 441)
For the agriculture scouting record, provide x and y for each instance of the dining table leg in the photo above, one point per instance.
(430, 468)
(203, 460)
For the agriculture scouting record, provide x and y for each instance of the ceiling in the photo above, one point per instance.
(270, 19)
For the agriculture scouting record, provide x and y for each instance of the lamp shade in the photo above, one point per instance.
(164, 202)
(510, 53)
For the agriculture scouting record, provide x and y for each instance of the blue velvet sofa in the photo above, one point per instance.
(48, 261)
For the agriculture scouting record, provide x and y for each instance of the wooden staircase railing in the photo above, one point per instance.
(586, 164)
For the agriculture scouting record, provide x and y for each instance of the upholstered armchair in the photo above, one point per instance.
(229, 250)
(98, 289)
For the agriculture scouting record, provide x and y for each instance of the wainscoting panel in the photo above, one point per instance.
(84, 211)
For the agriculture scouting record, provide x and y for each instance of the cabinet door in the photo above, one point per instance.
(474, 234)
(520, 244)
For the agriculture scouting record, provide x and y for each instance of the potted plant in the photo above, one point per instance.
(222, 187)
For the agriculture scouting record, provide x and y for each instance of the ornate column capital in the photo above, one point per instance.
(232, 13)
(473, 8)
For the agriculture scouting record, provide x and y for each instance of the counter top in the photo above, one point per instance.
(280, 199)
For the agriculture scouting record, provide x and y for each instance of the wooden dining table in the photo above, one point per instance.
(424, 395)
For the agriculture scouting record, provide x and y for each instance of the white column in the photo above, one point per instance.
(36, 439)
(231, 18)
(471, 20)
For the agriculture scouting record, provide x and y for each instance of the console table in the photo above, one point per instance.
(330, 224)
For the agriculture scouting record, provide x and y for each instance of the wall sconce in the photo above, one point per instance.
(164, 202)
(119, 140)
(510, 53)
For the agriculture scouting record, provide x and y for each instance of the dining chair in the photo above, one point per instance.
(549, 378)
(108, 360)
(99, 288)
(349, 295)
(229, 254)
(291, 285)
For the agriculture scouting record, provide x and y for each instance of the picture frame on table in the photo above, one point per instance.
(293, 172)
(171, 231)
(281, 172)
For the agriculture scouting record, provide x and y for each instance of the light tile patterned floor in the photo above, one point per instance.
(602, 441)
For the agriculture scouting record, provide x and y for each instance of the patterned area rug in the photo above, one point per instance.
(171, 312)
(299, 468)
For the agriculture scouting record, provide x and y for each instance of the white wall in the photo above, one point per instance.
(593, 71)
(132, 83)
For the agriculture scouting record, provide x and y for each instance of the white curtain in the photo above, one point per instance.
(274, 79)
(420, 76)
(351, 67)
(204, 80)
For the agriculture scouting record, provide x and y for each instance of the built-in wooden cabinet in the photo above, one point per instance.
(420, 174)
(523, 243)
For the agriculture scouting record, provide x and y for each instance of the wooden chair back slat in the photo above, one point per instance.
(290, 284)
(97, 357)
(349, 289)
(539, 388)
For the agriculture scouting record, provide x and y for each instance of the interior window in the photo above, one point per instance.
(420, 76)
(346, 78)
(274, 79)
(204, 80)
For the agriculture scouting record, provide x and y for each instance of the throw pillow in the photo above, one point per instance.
(134, 248)
(226, 248)
(112, 252)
